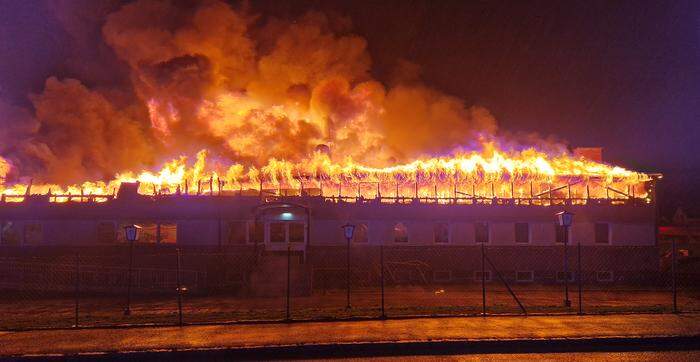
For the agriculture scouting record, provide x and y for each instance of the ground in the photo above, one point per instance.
(27, 311)
(409, 336)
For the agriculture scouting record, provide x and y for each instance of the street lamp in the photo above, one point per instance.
(565, 220)
(348, 230)
(131, 232)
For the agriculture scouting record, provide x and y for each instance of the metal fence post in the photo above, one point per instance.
(179, 289)
(127, 310)
(483, 281)
(381, 263)
(77, 288)
(673, 275)
(289, 257)
(580, 289)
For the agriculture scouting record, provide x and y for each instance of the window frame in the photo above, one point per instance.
(358, 225)
(603, 280)
(393, 232)
(449, 233)
(245, 232)
(595, 233)
(488, 232)
(529, 280)
(477, 277)
(529, 233)
(572, 276)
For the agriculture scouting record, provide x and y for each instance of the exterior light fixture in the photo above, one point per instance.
(565, 218)
(132, 232)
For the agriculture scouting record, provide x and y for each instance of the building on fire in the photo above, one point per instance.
(440, 233)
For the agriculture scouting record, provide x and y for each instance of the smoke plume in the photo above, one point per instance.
(245, 86)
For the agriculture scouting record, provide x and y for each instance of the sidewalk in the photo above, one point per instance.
(406, 331)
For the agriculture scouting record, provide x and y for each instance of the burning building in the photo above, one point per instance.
(411, 166)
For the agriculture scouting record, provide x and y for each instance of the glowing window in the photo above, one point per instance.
(400, 233)
(441, 233)
(361, 234)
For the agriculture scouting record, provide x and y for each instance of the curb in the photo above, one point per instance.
(396, 348)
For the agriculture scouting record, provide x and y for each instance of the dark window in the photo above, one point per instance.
(106, 232)
(522, 232)
(400, 233)
(237, 232)
(361, 234)
(561, 276)
(560, 233)
(296, 232)
(602, 233)
(487, 275)
(277, 232)
(33, 233)
(481, 232)
(524, 276)
(256, 232)
(9, 234)
(441, 233)
(604, 276)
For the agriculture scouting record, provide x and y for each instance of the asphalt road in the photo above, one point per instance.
(673, 356)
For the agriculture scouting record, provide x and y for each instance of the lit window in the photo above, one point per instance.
(481, 232)
(441, 233)
(361, 234)
(400, 233)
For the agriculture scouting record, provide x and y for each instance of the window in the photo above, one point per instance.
(33, 233)
(106, 232)
(8, 234)
(168, 233)
(400, 233)
(604, 276)
(442, 275)
(481, 232)
(441, 233)
(277, 232)
(487, 275)
(602, 233)
(561, 275)
(361, 234)
(522, 232)
(560, 233)
(296, 232)
(237, 232)
(256, 232)
(524, 276)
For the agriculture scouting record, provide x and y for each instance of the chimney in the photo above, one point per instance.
(589, 153)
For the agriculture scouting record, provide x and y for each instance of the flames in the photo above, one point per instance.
(489, 174)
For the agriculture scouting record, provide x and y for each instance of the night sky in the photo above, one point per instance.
(624, 75)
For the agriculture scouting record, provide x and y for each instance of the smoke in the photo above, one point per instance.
(196, 75)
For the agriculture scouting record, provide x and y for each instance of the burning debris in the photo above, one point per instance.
(253, 97)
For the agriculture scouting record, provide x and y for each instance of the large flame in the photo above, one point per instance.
(489, 174)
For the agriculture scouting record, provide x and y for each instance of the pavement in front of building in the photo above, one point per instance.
(394, 335)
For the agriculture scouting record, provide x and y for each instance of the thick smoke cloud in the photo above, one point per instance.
(249, 88)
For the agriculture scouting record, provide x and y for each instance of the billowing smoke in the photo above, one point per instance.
(204, 74)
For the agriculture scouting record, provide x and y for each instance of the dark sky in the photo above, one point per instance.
(624, 75)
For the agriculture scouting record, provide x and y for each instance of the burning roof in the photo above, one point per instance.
(253, 97)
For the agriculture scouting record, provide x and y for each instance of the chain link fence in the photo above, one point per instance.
(167, 285)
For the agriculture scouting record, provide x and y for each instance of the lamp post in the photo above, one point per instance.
(348, 230)
(131, 232)
(565, 220)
